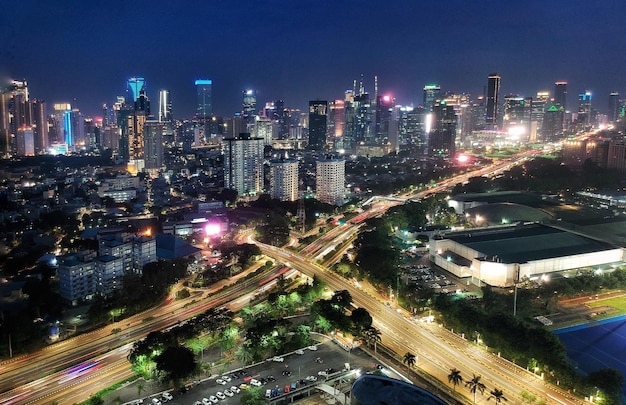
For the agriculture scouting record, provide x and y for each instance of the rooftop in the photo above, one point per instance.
(521, 244)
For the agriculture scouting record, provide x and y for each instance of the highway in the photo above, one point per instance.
(43, 377)
(438, 350)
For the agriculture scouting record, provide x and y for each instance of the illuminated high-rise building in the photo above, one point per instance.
(493, 101)
(243, 164)
(614, 107)
(318, 113)
(384, 107)
(537, 110)
(15, 113)
(336, 119)
(249, 106)
(330, 180)
(165, 106)
(284, 179)
(204, 98)
(584, 108)
(552, 128)
(432, 93)
(25, 142)
(134, 87)
(560, 94)
(153, 144)
(517, 117)
(442, 136)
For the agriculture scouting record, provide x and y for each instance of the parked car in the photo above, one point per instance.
(220, 381)
(167, 396)
(228, 393)
(311, 378)
(220, 395)
(156, 401)
(299, 351)
(278, 359)
(255, 382)
(314, 348)
(206, 401)
(235, 389)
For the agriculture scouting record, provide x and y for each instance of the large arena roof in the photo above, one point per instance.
(521, 244)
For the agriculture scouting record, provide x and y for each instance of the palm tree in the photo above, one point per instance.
(409, 360)
(455, 377)
(140, 388)
(372, 336)
(475, 385)
(498, 395)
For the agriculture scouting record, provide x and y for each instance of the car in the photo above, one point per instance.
(226, 378)
(228, 393)
(268, 393)
(220, 381)
(197, 403)
(214, 399)
(235, 389)
(167, 396)
(330, 370)
(183, 390)
(206, 401)
(156, 401)
(299, 351)
(313, 348)
(319, 360)
(278, 359)
(322, 373)
(311, 378)
(220, 395)
(270, 378)
(255, 383)
(287, 373)
(244, 386)
(247, 378)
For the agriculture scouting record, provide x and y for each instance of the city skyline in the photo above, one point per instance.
(302, 52)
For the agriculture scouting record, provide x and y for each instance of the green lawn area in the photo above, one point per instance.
(618, 303)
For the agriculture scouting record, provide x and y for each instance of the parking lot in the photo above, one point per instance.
(302, 368)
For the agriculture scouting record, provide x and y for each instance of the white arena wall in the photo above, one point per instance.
(495, 273)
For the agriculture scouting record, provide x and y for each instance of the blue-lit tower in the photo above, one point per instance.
(135, 86)
(204, 98)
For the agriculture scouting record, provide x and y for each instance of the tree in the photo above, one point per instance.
(176, 363)
(409, 359)
(498, 395)
(475, 385)
(372, 336)
(455, 377)
(252, 396)
(140, 388)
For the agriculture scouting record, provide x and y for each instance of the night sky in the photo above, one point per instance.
(82, 51)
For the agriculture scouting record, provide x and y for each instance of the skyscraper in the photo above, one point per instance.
(318, 111)
(204, 98)
(538, 109)
(284, 179)
(432, 93)
(442, 136)
(614, 107)
(243, 164)
(249, 106)
(584, 108)
(560, 94)
(135, 86)
(330, 180)
(493, 100)
(517, 117)
(384, 106)
(153, 144)
(165, 106)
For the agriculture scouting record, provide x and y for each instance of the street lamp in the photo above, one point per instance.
(515, 289)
